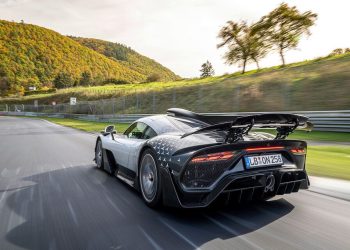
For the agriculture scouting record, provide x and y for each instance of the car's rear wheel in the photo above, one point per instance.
(149, 178)
(99, 155)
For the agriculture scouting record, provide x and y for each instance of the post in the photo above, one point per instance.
(236, 101)
(124, 103)
(113, 106)
(199, 101)
(174, 97)
(137, 100)
(154, 103)
(286, 96)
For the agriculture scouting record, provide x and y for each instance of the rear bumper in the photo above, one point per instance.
(236, 187)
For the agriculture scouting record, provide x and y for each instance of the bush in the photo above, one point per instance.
(115, 81)
(153, 78)
(41, 91)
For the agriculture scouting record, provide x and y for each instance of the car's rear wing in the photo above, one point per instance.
(240, 125)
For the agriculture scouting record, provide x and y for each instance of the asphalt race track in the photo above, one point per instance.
(53, 197)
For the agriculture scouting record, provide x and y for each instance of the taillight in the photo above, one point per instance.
(213, 157)
(263, 148)
(298, 151)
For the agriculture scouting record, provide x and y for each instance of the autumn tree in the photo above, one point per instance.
(245, 43)
(207, 69)
(234, 36)
(259, 44)
(285, 25)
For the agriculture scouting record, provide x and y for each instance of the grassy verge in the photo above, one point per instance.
(315, 135)
(327, 161)
(321, 136)
(121, 127)
(86, 125)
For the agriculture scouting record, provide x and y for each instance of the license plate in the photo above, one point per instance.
(263, 160)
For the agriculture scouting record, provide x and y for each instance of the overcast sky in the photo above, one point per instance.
(180, 34)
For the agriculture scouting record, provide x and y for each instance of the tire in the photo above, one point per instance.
(99, 154)
(149, 179)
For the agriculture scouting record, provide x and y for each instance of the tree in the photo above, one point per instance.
(285, 25)
(155, 77)
(63, 80)
(258, 42)
(336, 52)
(234, 35)
(85, 79)
(4, 85)
(207, 69)
(245, 43)
(347, 50)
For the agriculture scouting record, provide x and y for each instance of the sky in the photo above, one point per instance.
(180, 34)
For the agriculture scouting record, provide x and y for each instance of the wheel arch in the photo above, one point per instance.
(144, 148)
(98, 139)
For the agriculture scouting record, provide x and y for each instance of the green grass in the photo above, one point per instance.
(320, 84)
(86, 125)
(329, 161)
(121, 127)
(315, 135)
(321, 136)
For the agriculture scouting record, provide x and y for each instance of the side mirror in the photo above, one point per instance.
(109, 129)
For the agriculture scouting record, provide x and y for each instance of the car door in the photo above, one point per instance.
(137, 143)
(123, 144)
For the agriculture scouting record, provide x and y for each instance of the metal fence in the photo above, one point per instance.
(336, 120)
(229, 95)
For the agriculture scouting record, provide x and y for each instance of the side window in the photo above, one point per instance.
(149, 133)
(136, 130)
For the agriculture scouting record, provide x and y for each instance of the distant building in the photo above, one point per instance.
(32, 88)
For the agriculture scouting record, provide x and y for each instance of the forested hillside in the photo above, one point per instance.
(128, 57)
(34, 56)
(320, 84)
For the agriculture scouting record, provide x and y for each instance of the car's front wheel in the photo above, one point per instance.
(149, 178)
(99, 155)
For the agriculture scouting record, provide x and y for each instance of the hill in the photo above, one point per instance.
(322, 84)
(34, 56)
(128, 57)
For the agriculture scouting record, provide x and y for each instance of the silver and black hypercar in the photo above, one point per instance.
(184, 159)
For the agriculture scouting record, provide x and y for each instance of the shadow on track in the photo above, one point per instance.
(84, 208)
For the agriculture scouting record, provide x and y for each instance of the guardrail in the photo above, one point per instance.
(335, 120)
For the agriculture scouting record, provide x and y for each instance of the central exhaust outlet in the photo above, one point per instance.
(270, 183)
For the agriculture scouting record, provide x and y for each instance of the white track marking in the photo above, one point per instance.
(18, 170)
(115, 206)
(232, 231)
(253, 226)
(72, 213)
(150, 239)
(179, 234)
(4, 192)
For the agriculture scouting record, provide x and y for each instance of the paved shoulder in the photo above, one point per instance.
(331, 187)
